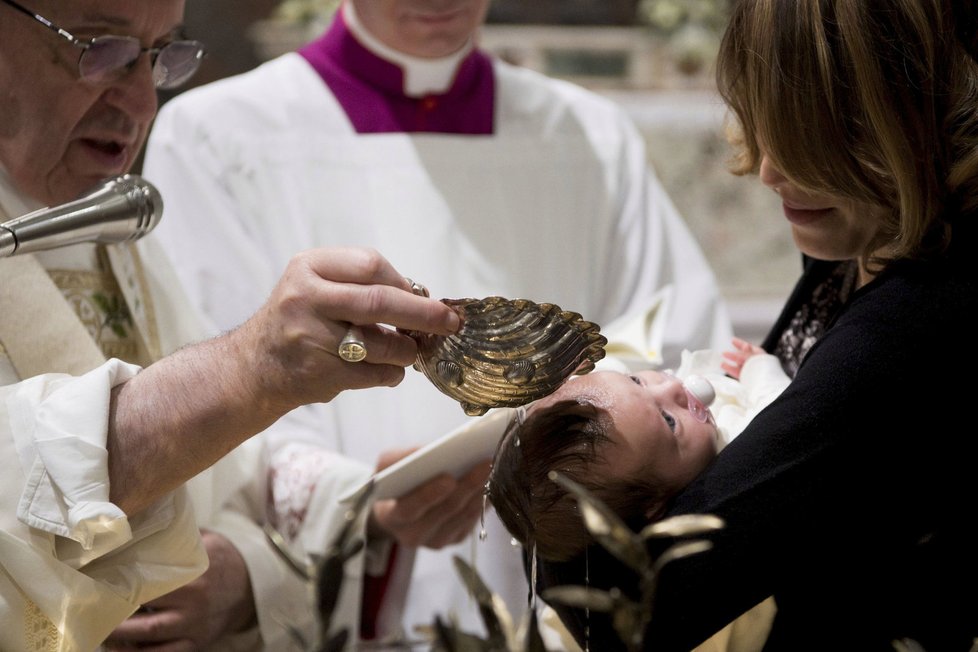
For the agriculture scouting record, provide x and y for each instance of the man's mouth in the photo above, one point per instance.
(109, 147)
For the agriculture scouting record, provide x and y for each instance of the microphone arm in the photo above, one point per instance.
(123, 208)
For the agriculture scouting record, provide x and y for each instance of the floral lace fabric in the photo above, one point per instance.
(814, 316)
(292, 479)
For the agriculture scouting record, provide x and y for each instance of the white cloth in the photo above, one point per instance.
(63, 546)
(559, 205)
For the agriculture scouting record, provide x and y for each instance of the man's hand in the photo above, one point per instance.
(439, 513)
(217, 603)
(184, 412)
(289, 346)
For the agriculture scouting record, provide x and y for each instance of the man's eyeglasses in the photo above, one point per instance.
(106, 58)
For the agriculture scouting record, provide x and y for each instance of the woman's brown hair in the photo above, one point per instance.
(872, 100)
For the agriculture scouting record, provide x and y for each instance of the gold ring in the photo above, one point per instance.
(417, 288)
(352, 348)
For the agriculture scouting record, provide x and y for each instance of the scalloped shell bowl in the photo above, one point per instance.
(509, 352)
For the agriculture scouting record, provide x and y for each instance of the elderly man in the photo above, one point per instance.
(94, 521)
(395, 131)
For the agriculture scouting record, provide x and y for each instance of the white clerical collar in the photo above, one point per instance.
(421, 76)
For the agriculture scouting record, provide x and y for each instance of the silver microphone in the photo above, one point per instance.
(123, 208)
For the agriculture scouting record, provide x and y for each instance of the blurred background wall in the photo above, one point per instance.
(654, 57)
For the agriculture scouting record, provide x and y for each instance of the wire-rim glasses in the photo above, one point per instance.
(106, 58)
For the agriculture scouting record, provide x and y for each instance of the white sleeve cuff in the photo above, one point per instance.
(60, 425)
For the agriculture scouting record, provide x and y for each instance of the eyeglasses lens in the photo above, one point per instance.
(108, 56)
(176, 63)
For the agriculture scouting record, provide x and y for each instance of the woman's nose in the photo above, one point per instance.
(770, 176)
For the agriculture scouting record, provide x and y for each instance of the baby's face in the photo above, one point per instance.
(653, 431)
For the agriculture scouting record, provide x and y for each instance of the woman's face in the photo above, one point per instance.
(823, 226)
(653, 432)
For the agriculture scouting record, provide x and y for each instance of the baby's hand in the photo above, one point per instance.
(733, 361)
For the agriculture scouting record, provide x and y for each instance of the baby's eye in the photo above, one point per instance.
(636, 380)
(669, 419)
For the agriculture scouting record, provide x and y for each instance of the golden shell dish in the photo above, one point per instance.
(508, 352)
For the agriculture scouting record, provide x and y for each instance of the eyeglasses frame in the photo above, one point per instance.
(85, 45)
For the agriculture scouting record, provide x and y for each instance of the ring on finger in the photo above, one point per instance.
(417, 288)
(352, 347)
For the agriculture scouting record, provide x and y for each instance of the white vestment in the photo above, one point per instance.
(72, 566)
(558, 205)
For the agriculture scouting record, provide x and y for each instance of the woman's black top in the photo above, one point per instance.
(852, 497)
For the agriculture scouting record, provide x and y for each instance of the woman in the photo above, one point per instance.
(849, 498)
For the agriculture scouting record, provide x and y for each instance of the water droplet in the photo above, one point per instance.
(587, 611)
(483, 535)
(533, 578)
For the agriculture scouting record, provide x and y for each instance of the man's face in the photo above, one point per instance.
(422, 28)
(59, 135)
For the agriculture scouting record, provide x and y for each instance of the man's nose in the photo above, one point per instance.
(134, 92)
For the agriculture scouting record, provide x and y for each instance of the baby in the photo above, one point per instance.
(633, 440)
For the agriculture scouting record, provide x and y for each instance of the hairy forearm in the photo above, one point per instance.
(179, 416)
(183, 413)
